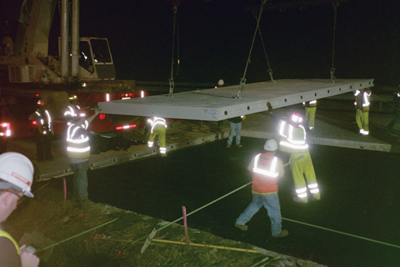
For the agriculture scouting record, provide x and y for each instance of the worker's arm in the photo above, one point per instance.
(92, 117)
(251, 166)
(273, 115)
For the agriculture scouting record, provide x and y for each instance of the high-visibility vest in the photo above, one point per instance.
(365, 100)
(7, 235)
(155, 122)
(72, 111)
(78, 146)
(43, 120)
(265, 173)
(294, 138)
(310, 104)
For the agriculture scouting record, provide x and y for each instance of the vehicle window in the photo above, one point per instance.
(101, 52)
(85, 57)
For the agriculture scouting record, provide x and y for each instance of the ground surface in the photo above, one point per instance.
(48, 219)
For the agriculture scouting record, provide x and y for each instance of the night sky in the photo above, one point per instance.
(215, 37)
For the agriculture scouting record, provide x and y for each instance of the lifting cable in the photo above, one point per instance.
(243, 79)
(171, 79)
(265, 53)
(335, 6)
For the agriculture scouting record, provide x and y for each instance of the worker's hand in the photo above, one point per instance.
(97, 110)
(269, 107)
(28, 259)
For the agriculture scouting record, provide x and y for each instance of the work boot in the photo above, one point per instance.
(282, 234)
(242, 227)
(239, 145)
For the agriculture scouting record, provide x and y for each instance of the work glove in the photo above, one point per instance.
(269, 107)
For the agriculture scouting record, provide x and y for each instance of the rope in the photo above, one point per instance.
(243, 80)
(76, 235)
(171, 79)
(390, 104)
(343, 233)
(333, 44)
(212, 202)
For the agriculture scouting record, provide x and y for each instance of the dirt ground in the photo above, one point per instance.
(95, 234)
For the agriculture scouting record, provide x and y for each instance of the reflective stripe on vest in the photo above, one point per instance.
(288, 131)
(272, 169)
(156, 121)
(7, 235)
(46, 124)
(77, 145)
(365, 102)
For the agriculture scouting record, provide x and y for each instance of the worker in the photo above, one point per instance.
(5, 126)
(266, 169)
(158, 128)
(362, 104)
(73, 109)
(43, 132)
(310, 110)
(78, 151)
(235, 125)
(16, 177)
(396, 104)
(220, 83)
(293, 141)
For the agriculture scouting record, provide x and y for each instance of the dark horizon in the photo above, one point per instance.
(215, 39)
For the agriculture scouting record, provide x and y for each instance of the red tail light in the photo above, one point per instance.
(124, 127)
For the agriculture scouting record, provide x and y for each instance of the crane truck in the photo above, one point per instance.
(84, 68)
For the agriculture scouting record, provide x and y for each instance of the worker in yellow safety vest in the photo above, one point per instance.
(158, 128)
(78, 151)
(16, 178)
(310, 109)
(293, 141)
(361, 105)
(43, 132)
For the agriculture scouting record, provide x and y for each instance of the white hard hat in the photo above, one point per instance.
(271, 145)
(220, 82)
(16, 171)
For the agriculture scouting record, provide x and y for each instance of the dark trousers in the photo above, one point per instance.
(43, 146)
(80, 180)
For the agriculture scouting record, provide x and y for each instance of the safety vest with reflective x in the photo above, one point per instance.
(295, 138)
(265, 174)
(78, 142)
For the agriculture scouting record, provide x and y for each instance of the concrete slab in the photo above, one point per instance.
(220, 103)
(331, 128)
(262, 125)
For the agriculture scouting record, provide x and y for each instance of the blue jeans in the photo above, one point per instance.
(234, 127)
(271, 203)
(80, 180)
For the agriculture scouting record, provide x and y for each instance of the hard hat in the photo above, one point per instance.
(16, 171)
(41, 103)
(220, 82)
(296, 118)
(271, 145)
